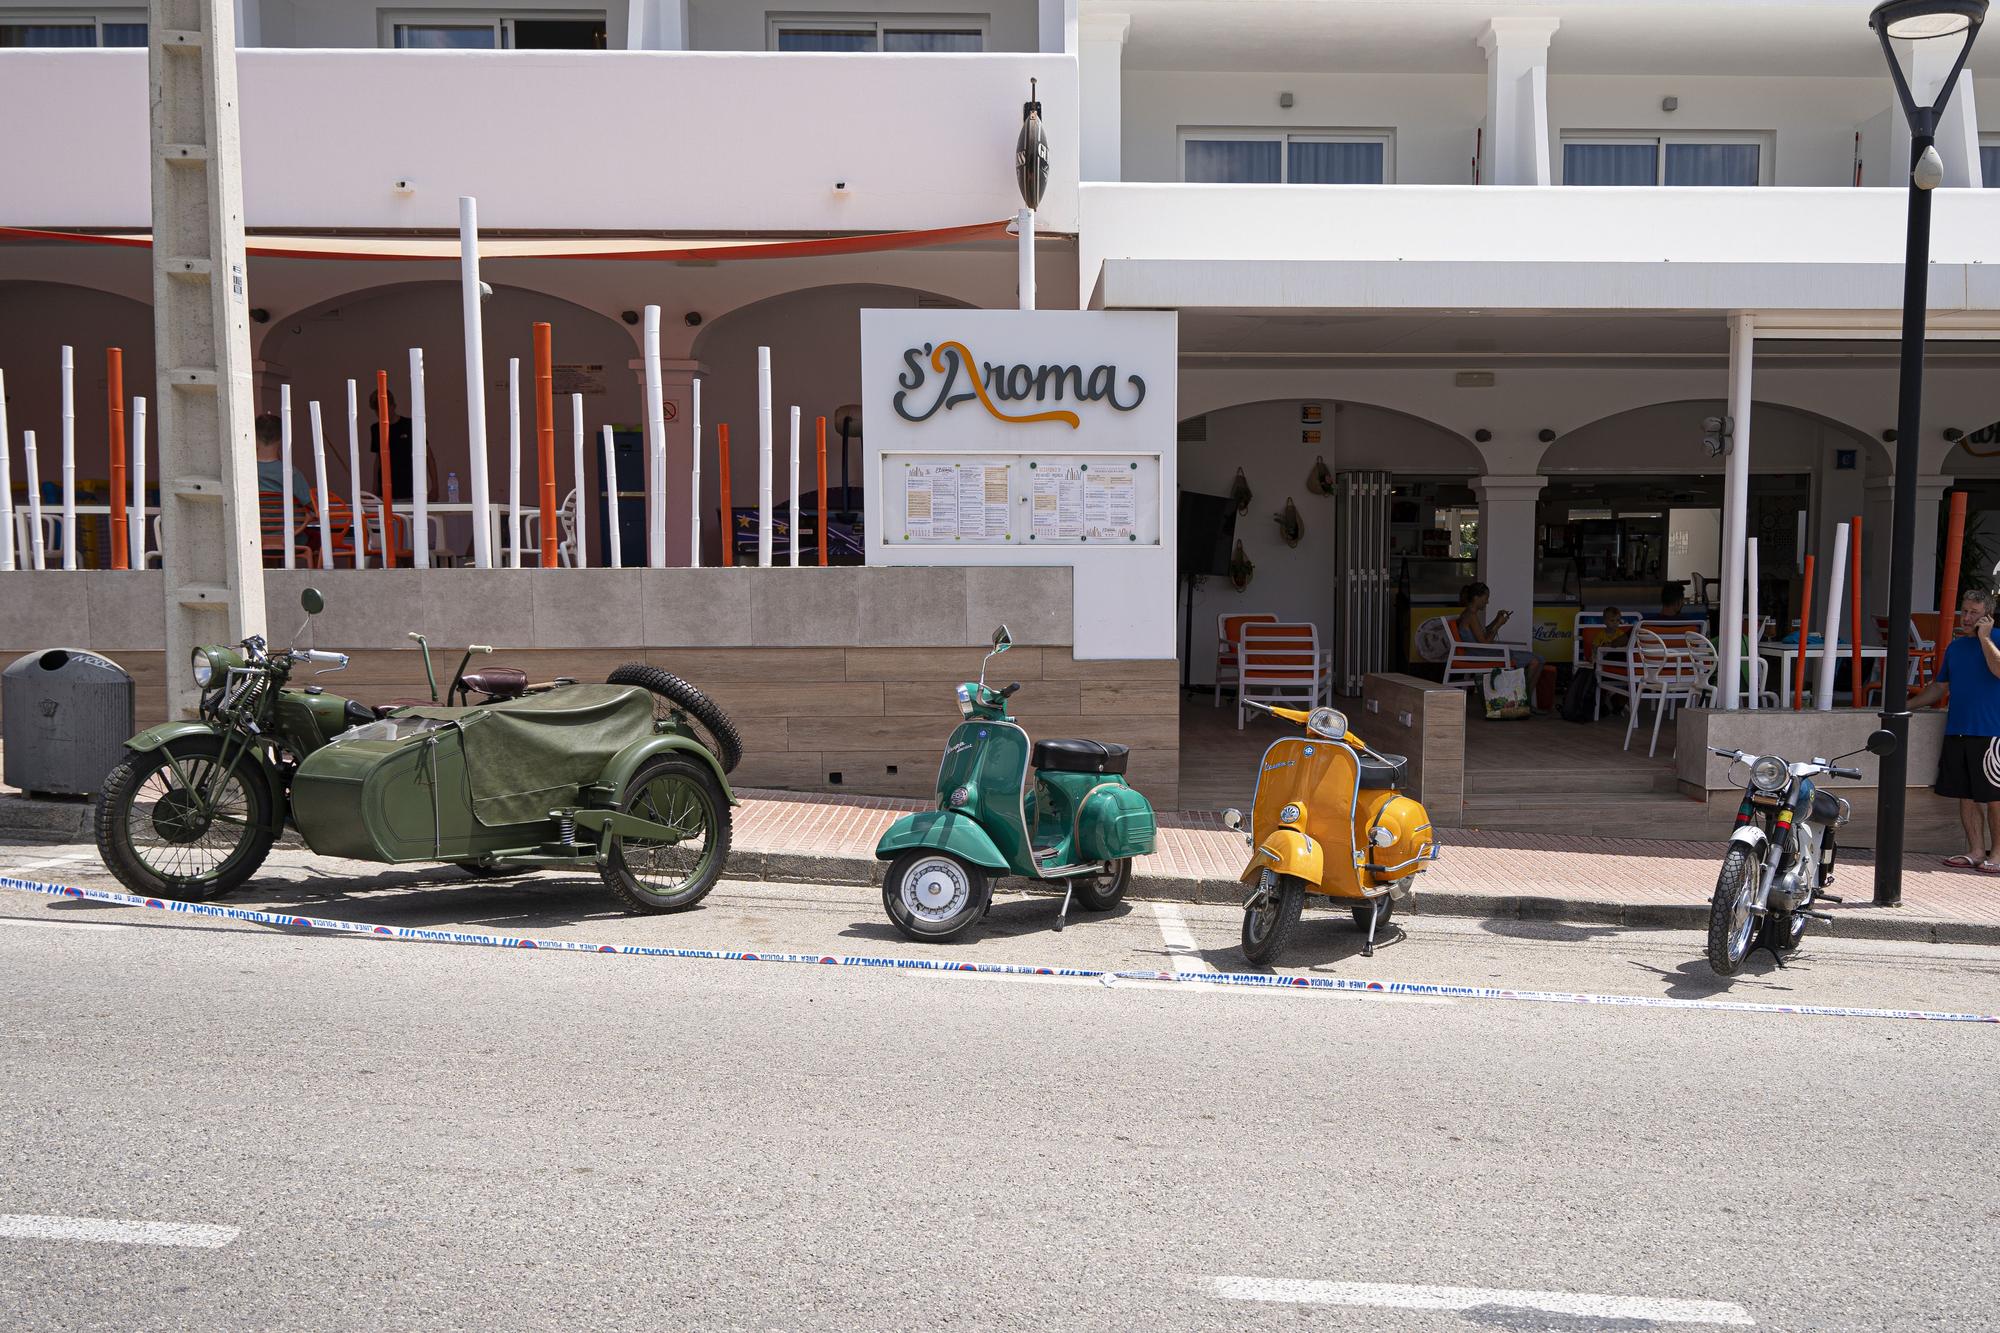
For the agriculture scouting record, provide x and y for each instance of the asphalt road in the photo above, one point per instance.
(367, 1134)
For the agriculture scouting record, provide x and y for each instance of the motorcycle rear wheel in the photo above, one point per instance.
(651, 875)
(1101, 893)
(1731, 925)
(1362, 913)
(153, 839)
(1268, 929)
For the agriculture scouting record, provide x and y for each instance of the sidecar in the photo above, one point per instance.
(583, 775)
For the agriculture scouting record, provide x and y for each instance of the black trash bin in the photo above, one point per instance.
(65, 715)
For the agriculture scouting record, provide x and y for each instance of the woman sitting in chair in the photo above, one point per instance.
(1474, 627)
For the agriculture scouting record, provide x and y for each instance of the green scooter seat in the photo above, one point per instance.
(1077, 756)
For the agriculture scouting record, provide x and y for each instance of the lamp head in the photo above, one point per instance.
(1926, 20)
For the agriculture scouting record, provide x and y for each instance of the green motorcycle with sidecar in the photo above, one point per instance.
(629, 777)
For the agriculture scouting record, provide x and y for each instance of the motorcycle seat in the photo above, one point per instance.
(499, 682)
(1825, 808)
(1382, 773)
(1079, 756)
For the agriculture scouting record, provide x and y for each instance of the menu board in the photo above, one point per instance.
(956, 502)
(1074, 499)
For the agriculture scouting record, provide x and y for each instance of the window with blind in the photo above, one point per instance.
(1989, 162)
(67, 28)
(894, 34)
(494, 30)
(1653, 159)
(1258, 157)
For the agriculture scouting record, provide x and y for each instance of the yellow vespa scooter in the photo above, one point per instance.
(1328, 818)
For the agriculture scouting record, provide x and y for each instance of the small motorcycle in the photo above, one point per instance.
(1328, 818)
(1079, 822)
(195, 806)
(1780, 858)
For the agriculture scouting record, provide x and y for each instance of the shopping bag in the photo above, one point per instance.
(1506, 690)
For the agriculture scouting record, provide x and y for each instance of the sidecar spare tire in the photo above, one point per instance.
(672, 694)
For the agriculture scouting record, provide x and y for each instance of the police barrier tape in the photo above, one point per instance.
(1255, 980)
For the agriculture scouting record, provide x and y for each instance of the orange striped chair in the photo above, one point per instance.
(271, 518)
(1229, 645)
(1282, 664)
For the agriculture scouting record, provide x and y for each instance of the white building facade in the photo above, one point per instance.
(1504, 255)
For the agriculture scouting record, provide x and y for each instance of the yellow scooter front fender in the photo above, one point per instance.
(1288, 851)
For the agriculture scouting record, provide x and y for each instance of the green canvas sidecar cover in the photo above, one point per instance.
(450, 783)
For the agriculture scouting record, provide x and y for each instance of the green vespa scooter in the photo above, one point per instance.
(1079, 823)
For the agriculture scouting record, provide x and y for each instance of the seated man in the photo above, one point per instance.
(270, 433)
(1474, 627)
(1673, 601)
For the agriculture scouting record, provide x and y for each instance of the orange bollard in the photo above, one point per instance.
(1854, 610)
(545, 436)
(1954, 547)
(819, 429)
(114, 393)
(388, 471)
(1805, 629)
(722, 484)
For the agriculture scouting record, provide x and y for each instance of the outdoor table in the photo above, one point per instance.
(1785, 652)
(496, 517)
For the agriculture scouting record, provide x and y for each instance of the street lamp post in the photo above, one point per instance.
(1911, 21)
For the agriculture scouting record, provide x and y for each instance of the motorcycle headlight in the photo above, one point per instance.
(203, 667)
(1769, 773)
(964, 701)
(1290, 814)
(1328, 722)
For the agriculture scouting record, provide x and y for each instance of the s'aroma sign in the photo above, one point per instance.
(940, 376)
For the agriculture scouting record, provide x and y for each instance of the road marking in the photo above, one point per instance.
(111, 1231)
(1179, 939)
(1396, 1296)
(60, 925)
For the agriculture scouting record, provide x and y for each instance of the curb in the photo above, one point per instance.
(44, 820)
(1854, 923)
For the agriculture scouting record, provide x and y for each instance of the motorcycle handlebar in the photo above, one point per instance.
(1840, 772)
(1008, 693)
(1726, 754)
(321, 655)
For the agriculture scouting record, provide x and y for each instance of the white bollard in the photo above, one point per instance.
(514, 462)
(357, 516)
(1829, 653)
(763, 458)
(68, 458)
(475, 380)
(612, 499)
(319, 480)
(139, 517)
(40, 557)
(694, 488)
(285, 467)
(6, 485)
(656, 446)
(581, 527)
(420, 467)
(795, 486)
(1751, 655)
(1024, 277)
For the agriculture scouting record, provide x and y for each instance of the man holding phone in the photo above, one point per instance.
(1969, 766)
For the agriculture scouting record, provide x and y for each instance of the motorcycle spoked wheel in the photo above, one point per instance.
(1268, 928)
(932, 895)
(154, 838)
(673, 695)
(1731, 924)
(1101, 893)
(653, 875)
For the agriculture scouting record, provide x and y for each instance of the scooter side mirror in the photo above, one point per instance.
(1881, 742)
(311, 600)
(1002, 640)
(1232, 819)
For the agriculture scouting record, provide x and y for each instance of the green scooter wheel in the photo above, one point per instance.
(1101, 893)
(932, 895)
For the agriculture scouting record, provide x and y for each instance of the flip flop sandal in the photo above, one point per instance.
(1989, 867)
(1962, 862)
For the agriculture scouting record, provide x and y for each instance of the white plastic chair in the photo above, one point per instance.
(566, 524)
(1469, 660)
(1279, 662)
(1669, 673)
(1229, 647)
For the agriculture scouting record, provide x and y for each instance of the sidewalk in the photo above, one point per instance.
(1540, 877)
(1608, 882)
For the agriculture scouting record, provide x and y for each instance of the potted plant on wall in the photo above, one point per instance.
(1241, 569)
(1290, 526)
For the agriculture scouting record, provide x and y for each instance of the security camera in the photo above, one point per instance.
(692, 318)
(629, 316)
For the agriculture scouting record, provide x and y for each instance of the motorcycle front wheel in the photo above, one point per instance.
(163, 838)
(932, 895)
(1268, 927)
(1782, 931)
(668, 875)
(1731, 923)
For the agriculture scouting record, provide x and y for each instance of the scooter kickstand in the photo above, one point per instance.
(1374, 919)
(1069, 887)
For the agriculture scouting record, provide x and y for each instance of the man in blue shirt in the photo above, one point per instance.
(1969, 767)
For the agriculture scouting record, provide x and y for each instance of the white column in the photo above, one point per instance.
(475, 380)
(677, 408)
(1926, 65)
(656, 444)
(1927, 538)
(764, 457)
(1834, 617)
(1517, 100)
(249, 25)
(1736, 507)
(1024, 257)
(1507, 547)
(1056, 24)
(657, 25)
(1100, 111)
